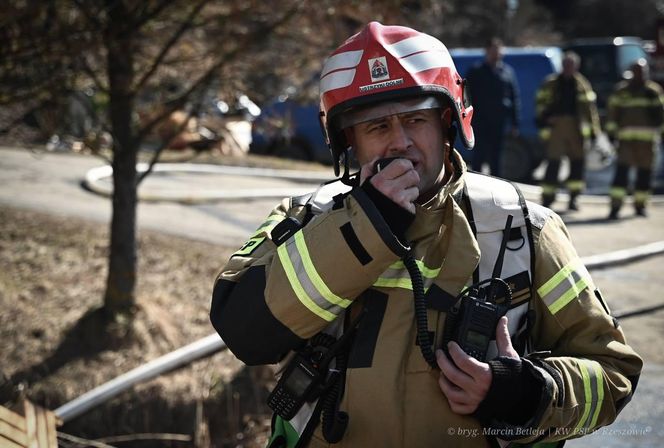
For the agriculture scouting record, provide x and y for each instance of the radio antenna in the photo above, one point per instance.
(498, 267)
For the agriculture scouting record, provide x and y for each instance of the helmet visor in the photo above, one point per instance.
(387, 108)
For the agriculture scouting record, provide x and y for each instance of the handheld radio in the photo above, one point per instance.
(298, 384)
(308, 375)
(473, 324)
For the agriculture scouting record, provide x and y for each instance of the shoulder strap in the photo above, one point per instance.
(488, 201)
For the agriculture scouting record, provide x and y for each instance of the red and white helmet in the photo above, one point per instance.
(388, 63)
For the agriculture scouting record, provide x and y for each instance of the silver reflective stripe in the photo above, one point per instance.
(593, 390)
(337, 80)
(347, 59)
(565, 285)
(305, 281)
(427, 60)
(415, 44)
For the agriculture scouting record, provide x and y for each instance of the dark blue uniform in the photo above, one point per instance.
(495, 97)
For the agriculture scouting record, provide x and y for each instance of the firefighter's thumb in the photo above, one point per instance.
(503, 340)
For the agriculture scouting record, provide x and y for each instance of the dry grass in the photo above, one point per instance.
(57, 344)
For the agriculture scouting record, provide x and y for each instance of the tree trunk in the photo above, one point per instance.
(120, 285)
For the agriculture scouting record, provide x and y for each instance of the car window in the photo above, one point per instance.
(597, 62)
(628, 54)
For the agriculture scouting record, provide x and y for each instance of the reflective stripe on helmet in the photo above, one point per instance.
(415, 44)
(348, 59)
(337, 80)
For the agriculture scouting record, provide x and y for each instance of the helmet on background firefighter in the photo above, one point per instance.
(388, 64)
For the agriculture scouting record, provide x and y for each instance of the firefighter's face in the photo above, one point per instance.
(416, 135)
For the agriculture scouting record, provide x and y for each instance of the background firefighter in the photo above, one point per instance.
(567, 116)
(636, 116)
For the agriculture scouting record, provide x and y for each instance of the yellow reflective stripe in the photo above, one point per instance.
(297, 286)
(614, 101)
(587, 396)
(258, 237)
(268, 225)
(404, 283)
(400, 278)
(575, 185)
(600, 392)
(426, 271)
(571, 294)
(542, 95)
(585, 129)
(545, 133)
(549, 188)
(641, 196)
(586, 97)
(611, 126)
(564, 286)
(638, 102)
(617, 192)
(638, 134)
(315, 278)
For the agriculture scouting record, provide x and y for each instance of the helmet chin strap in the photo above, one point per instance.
(451, 135)
(352, 180)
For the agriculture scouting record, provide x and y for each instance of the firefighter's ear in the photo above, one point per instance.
(446, 117)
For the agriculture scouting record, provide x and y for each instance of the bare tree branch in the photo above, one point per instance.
(186, 24)
(206, 78)
(91, 17)
(91, 73)
(149, 15)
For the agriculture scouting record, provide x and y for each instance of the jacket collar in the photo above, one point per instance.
(445, 215)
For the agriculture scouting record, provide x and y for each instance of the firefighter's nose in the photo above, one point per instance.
(400, 140)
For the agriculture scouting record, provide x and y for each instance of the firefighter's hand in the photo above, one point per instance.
(466, 381)
(398, 181)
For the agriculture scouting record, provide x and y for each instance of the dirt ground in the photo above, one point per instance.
(58, 344)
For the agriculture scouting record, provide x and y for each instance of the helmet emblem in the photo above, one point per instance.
(378, 69)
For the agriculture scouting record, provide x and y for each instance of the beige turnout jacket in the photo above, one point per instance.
(268, 300)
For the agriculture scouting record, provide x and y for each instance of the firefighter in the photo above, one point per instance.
(567, 116)
(496, 103)
(635, 119)
(338, 275)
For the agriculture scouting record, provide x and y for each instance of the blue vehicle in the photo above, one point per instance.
(531, 65)
(290, 129)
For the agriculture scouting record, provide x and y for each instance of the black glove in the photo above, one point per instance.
(514, 393)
